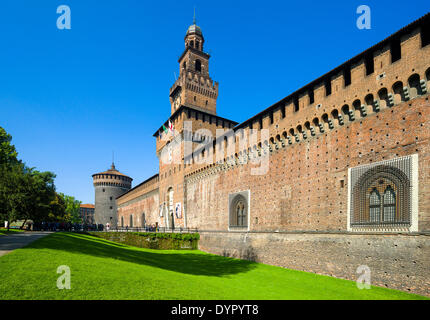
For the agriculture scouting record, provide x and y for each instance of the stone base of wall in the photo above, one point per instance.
(396, 261)
(159, 241)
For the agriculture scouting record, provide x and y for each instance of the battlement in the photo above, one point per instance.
(395, 71)
(141, 189)
(194, 79)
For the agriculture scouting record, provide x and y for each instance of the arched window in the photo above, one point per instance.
(122, 222)
(198, 65)
(381, 196)
(192, 43)
(197, 45)
(131, 221)
(375, 206)
(239, 212)
(184, 65)
(428, 74)
(389, 205)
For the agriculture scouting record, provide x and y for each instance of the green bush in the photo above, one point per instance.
(150, 240)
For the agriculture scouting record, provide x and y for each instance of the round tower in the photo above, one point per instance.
(108, 186)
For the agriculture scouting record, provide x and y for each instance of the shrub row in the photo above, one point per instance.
(162, 241)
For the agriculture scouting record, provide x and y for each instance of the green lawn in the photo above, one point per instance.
(102, 269)
(11, 231)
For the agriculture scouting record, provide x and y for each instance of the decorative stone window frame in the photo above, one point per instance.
(414, 183)
(247, 195)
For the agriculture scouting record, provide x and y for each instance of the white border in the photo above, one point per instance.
(249, 212)
(414, 201)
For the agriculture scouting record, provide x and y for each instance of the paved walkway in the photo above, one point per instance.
(15, 241)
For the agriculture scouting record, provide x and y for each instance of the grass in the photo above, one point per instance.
(101, 269)
(4, 231)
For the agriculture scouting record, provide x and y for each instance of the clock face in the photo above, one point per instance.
(177, 101)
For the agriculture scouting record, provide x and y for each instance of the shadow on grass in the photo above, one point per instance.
(179, 261)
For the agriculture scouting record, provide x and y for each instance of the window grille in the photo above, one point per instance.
(381, 193)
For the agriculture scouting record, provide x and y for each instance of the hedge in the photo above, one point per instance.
(162, 241)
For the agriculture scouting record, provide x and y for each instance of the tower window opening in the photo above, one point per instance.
(396, 50)
(425, 34)
(198, 66)
(347, 76)
(296, 104)
(311, 96)
(370, 64)
(327, 85)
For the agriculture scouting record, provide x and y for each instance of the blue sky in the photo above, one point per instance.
(71, 97)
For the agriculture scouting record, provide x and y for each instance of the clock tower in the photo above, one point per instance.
(194, 88)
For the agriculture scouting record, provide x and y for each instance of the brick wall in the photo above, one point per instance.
(395, 261)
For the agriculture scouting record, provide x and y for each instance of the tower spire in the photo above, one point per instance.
(194, 18)
(113, 160)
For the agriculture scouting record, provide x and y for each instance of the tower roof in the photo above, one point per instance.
(112, 171)
(194, 29)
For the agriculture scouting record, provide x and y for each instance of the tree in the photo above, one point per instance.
(72, 209)
(57, 209)
(25, 193)
(8, 154)
(40, 192)
(12, 194)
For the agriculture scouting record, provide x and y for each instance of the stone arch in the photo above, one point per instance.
(357, 108)
(318, 124)
(345, 110)
(370, 102)
(383, 97)
(399, 95)
(414, 86)
(327, 121)
(336, 117)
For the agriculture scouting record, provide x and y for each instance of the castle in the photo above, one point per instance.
(334, 176)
